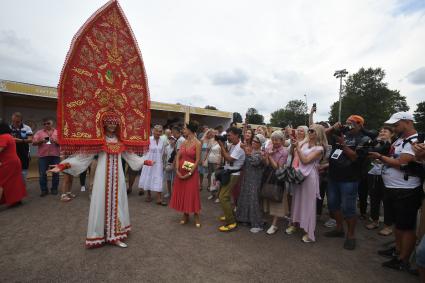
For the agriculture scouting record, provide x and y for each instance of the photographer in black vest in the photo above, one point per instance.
(345, 172)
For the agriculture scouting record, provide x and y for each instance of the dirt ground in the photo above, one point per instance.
(43, 241)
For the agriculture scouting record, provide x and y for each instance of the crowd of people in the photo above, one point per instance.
(266, 180)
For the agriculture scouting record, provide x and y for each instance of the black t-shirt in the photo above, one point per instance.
(341, 168)
(22, 149)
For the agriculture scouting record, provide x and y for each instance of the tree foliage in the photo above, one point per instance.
(294, 113)
(253, 117)
(237, 117)
(210, 107)
(419, 115)
(367, 95)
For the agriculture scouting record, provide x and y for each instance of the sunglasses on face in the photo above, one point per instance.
(47, 124)
(256, 141)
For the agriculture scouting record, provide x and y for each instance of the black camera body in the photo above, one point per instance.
(379, 146)
(222, 138)
(413, 168)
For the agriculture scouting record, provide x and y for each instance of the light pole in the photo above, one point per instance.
(306, 106)
(340, 74)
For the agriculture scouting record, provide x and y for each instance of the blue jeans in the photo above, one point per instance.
(43, 166)
(343, 196)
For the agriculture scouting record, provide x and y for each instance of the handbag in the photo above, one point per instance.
(169, 167)
(290, 174)
(272, 188)
(223, 175)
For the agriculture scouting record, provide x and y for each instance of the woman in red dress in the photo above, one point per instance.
(12, 187)
(185, 197)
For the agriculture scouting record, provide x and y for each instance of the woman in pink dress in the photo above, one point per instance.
(185, 197)
(304, 198)
(12, 186)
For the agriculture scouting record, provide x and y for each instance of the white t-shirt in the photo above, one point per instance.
(237, 153)
(215, 154)
(376, 169)
(394, 178)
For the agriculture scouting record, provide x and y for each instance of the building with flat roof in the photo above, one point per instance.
(36, 102)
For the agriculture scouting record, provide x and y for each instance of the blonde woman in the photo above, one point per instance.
(309, 152)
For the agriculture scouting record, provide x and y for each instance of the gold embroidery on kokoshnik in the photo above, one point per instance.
(82, 72)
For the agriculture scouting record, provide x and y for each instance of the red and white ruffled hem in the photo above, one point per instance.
(92, 243)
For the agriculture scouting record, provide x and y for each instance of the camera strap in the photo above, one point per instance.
(410, 140)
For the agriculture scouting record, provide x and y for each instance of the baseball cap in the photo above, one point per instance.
(399, 116)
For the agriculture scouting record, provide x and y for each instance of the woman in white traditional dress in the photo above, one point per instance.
(109, 220)
(152, 178)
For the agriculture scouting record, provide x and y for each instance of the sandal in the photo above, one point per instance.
(386, 231)
(372, 225)
(65, 198)
(71, 195)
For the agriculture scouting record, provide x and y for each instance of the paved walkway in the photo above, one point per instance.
(43, 241)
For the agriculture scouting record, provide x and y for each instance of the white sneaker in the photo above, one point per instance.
(272, 230)
(255, 230)
(217, 200)
(83, 188)
(330, 223)
(211, 197)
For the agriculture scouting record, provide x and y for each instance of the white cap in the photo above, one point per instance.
(399, 116)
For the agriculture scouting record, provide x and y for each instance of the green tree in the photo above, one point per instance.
(367, 95)
(294, 113)
(237, 117)
(253, 117)
(419, 115)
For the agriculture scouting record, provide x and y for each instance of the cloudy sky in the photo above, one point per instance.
(233, 54)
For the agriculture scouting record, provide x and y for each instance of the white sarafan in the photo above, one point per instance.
(109, 219)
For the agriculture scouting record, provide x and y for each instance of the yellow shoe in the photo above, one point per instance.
(222, 218)
(228, 228)
(291, 230)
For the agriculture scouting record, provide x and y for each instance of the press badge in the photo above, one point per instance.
(337, 153)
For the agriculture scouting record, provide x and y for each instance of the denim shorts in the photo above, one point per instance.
(420, 253)
(343, 196)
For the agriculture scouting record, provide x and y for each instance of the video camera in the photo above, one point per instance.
(222, 138)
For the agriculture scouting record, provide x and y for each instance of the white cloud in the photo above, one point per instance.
(232, 54)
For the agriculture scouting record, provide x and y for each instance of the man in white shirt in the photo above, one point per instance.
(234, 156)
(402, 192)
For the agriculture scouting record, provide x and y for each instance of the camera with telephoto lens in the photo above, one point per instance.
(222, 138)
(379, 146)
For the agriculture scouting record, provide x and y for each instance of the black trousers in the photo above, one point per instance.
(377, 192)
(363, 193)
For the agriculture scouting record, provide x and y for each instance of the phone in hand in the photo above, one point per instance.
(294, 134)
(314, 107)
